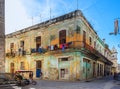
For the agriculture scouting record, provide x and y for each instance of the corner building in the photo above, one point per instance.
(63, 48)
(2, 36)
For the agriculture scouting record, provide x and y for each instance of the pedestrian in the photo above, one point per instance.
(41, 74)
(31, 75)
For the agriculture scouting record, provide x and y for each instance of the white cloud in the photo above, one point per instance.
(19, 12)
(16, 17)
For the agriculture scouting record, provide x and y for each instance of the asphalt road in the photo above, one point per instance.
(104, 83)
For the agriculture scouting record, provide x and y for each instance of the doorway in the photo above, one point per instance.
(86, 69)
(94, 70)
(12, 68)
(38, 68)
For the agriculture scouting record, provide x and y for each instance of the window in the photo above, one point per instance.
(11, 45)
(21, 49)
(38, 42)
(84, 36)
(22, 66)
(90, 40)
(12, 48)
(64, 59)
(78, 29)
(62, 37)
(38, 39)
(38, 64)
(63, 72)
(94, 44)
(21, 43)
(100, 49)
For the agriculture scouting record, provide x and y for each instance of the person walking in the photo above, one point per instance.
(31, 75)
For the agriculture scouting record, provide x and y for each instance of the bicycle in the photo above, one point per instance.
(33, 82)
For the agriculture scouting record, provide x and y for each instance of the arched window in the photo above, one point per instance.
(62, 37)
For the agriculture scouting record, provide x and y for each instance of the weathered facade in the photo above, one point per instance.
(118, 68)
(63, 48)
(114, 60)
(2, 36)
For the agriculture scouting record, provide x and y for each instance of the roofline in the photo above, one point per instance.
(70, 15)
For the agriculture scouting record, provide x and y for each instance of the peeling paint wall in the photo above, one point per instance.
(2, 36)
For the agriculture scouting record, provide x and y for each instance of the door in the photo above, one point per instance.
(62, 71)
(38, 68)
(86, 69)
(94, 70)
(12, 68)
(88, 66)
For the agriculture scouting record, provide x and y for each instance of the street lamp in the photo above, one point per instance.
(116, 27)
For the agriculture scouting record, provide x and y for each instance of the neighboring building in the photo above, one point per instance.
(114, 60)
(118, 68)
(2, 36)
(63, 48)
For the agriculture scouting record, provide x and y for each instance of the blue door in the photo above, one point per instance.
(38, 68)
(38, 71)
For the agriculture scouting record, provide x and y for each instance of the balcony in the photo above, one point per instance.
(10, 54)
(78, 46)
(74, 45)
(39, 50)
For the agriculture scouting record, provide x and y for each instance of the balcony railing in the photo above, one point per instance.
(10, 54)
(79, 45)
(16, 53)
(39, 50)
(72, 45)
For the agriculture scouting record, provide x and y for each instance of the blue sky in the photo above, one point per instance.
(100, 13)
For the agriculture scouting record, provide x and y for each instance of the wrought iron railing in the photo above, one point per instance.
(80, 45)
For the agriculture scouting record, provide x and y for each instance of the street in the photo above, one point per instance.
(100, 84)
(104, 83)
(9, 86)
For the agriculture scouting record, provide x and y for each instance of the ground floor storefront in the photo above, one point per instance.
(60, 66)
